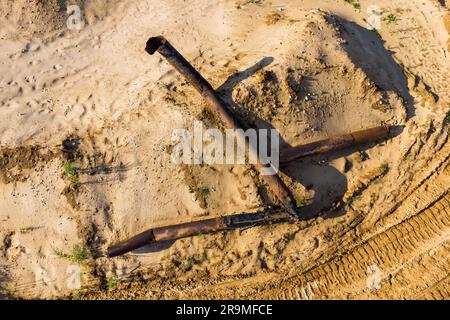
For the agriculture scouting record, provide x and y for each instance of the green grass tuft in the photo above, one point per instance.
(26, 230)
(384, 167)
(391, 18)
(201, 190)
(189, 264)
(111, 283)
(72, 173)
(80, 254)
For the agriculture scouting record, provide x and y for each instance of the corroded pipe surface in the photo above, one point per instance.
(334, 143)
(131, 244)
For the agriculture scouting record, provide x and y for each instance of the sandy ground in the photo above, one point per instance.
(375, 220)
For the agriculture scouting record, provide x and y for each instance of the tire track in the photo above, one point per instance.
(396, 246)
(440, 290)
(400, 253)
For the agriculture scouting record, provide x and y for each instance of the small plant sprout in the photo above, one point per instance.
(69, 169)
(391, 18)
(112, 282)
(80, 254)
(203, 190)
(61, 254)
(355, 5)
(384, 167)
(189, 264)
(26, 230)
(200, 190)
(72, 174)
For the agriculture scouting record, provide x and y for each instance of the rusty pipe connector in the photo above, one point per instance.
(216, 106)
(196, 228)
(334, 143)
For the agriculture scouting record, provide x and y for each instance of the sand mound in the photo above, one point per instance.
(323, 86)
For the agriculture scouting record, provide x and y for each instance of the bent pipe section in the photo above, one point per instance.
(215, 105)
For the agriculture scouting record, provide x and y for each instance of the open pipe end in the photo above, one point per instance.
(154, 43)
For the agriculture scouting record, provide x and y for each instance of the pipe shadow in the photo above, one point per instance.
(102, 174)
(155, 247)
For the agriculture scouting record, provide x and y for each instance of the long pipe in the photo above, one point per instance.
(161, 45)
(198, 227)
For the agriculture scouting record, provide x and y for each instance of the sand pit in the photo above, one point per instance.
(85, 158)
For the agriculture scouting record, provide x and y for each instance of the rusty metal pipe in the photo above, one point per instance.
(334, 143)
(216, 106)
(198, 227)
